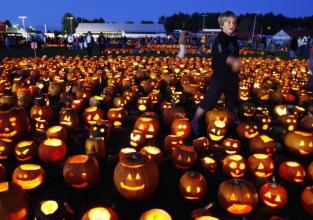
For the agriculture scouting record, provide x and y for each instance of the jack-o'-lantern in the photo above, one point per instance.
(137, 139)
(261, 165)
(201, 144)
(192, 185)
(130, 95)
(280, 110)
(244, 94)
(101, 128)
(263, 144)
(28, 176)
(96, 147)
(246, 110)
(299, 142)
(156, 214)
(144, 104)
(247, 130)
(237, 196)
(41, 125)
(124, 151)
(52, 150)
(171, 141)
(23, 99)
(298, 111)
(55, 89)
(219, 115)
(273, 195)
(264, 122)
(100, 213)
(234, 165)
(217, 129)
(307, 122)
(77, 104)
(231, 146)
(8, 101)
(198, 97)
(307, 198)
(178, 97)
(25, 150)
(69, 118)
(93, 114)
(184, 157)
(3, 173)
(14, 123)
(81, 171)
(13, 201)
(136, 176)
(310, 170)
(57, 132)
(148, 124)
(49, 209)
(96, 101)
(181, 127)
(116, 116)
(209, 164)
(155, 96)
(40, 111)
(290, 121)
(153, 153)
(291, 171)
(119, 102)
(6, 148)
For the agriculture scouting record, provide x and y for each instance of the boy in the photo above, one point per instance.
(225, 65)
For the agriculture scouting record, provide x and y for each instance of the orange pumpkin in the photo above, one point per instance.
(273, 195)
(29, 176)
(291, 171)
(52, 150)
(307, 198)
(234, 165)
(184, 157)
(261, 165)
(148, 124)
(156, 214)
(192, 185)
(181, 127)
(100, 213)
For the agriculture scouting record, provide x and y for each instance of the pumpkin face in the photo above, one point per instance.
(100, 213)
(263, 121)
(81, 171)
(41, 112)
(181, 127)
(261, 165)
(306, 199)
(244, 94)
(299, 142)
(69, 118)
(52, 150)
(155, 96)
(116, 116)
(148, 124)
(234, 165)
(28, 176)
(209, 164)
(197, 97)
(263, 144)
(231, 146)
(201, 144)
(183, 157)
(171, 142)
(157, 214)
(13, 201)
(14, 123)
(247, 130)
(290, 121)
(136, 177)
(57, 132)
(217, 130)
(144, 104)
(192, 185)
(237, 196)
(6, 148)
(219, 115)
(247, 110)
(137, 139)
(119, 102)
(96, 147)
(153, 153)
(25, 150)
(273, 195)
(291, 171)
(101, 129)
(93, 114)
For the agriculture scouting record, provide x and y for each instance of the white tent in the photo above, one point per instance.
(281, 37)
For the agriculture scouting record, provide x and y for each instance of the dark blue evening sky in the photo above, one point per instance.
(50, 12)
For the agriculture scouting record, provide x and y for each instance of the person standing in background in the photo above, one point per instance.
(181, 42)
(309, 85)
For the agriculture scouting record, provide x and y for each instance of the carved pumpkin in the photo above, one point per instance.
(13, 201)
(40, 111)
(148, 124)
(184, 157)
(192, 185)
(136, 177)
(280, 110)
(101, 129)
(124, 151)
(234, 165)
(52, 150)
(201, 144)
(219, 115)
(263, 144)
(28, 176)
(144, 104)
(289, 121)
(263, 121)
(119, 102)
(57, 132)
(49, 209)
(69, 118)
(217, 130)
(96, 101)
(260, 165)
(247, 130)
(25, 150)
(96, 147)
(171, 141)
(156, 214)
(93, 114)
(246, 110)
(181, 127)
(299, 142)
(153, 153)
(231, 146)
(237, 196)
(14, 123)
(137, 139)
(307, 122)
(6, 148)
(81, 171)
(209, 164)
(116, 116)
(273, 195)
(307, 198)
(291, 171)
(100, 213)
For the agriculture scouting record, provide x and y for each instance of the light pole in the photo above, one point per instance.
(203, 21)
(253, 28)
(71, 22)
(23, 20)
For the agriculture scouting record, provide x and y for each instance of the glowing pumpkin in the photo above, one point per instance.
(100, 213)
(192, 185)
(28, 176)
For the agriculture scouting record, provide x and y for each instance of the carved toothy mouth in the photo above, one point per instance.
(8, 135)
(132, 188)
(82, 185)
(215, 137)
(29, 184)
(236, 174)
(240, 209)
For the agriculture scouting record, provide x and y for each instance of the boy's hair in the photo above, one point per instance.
(224, 16)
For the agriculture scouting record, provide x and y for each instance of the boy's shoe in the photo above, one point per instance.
(195, 127)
